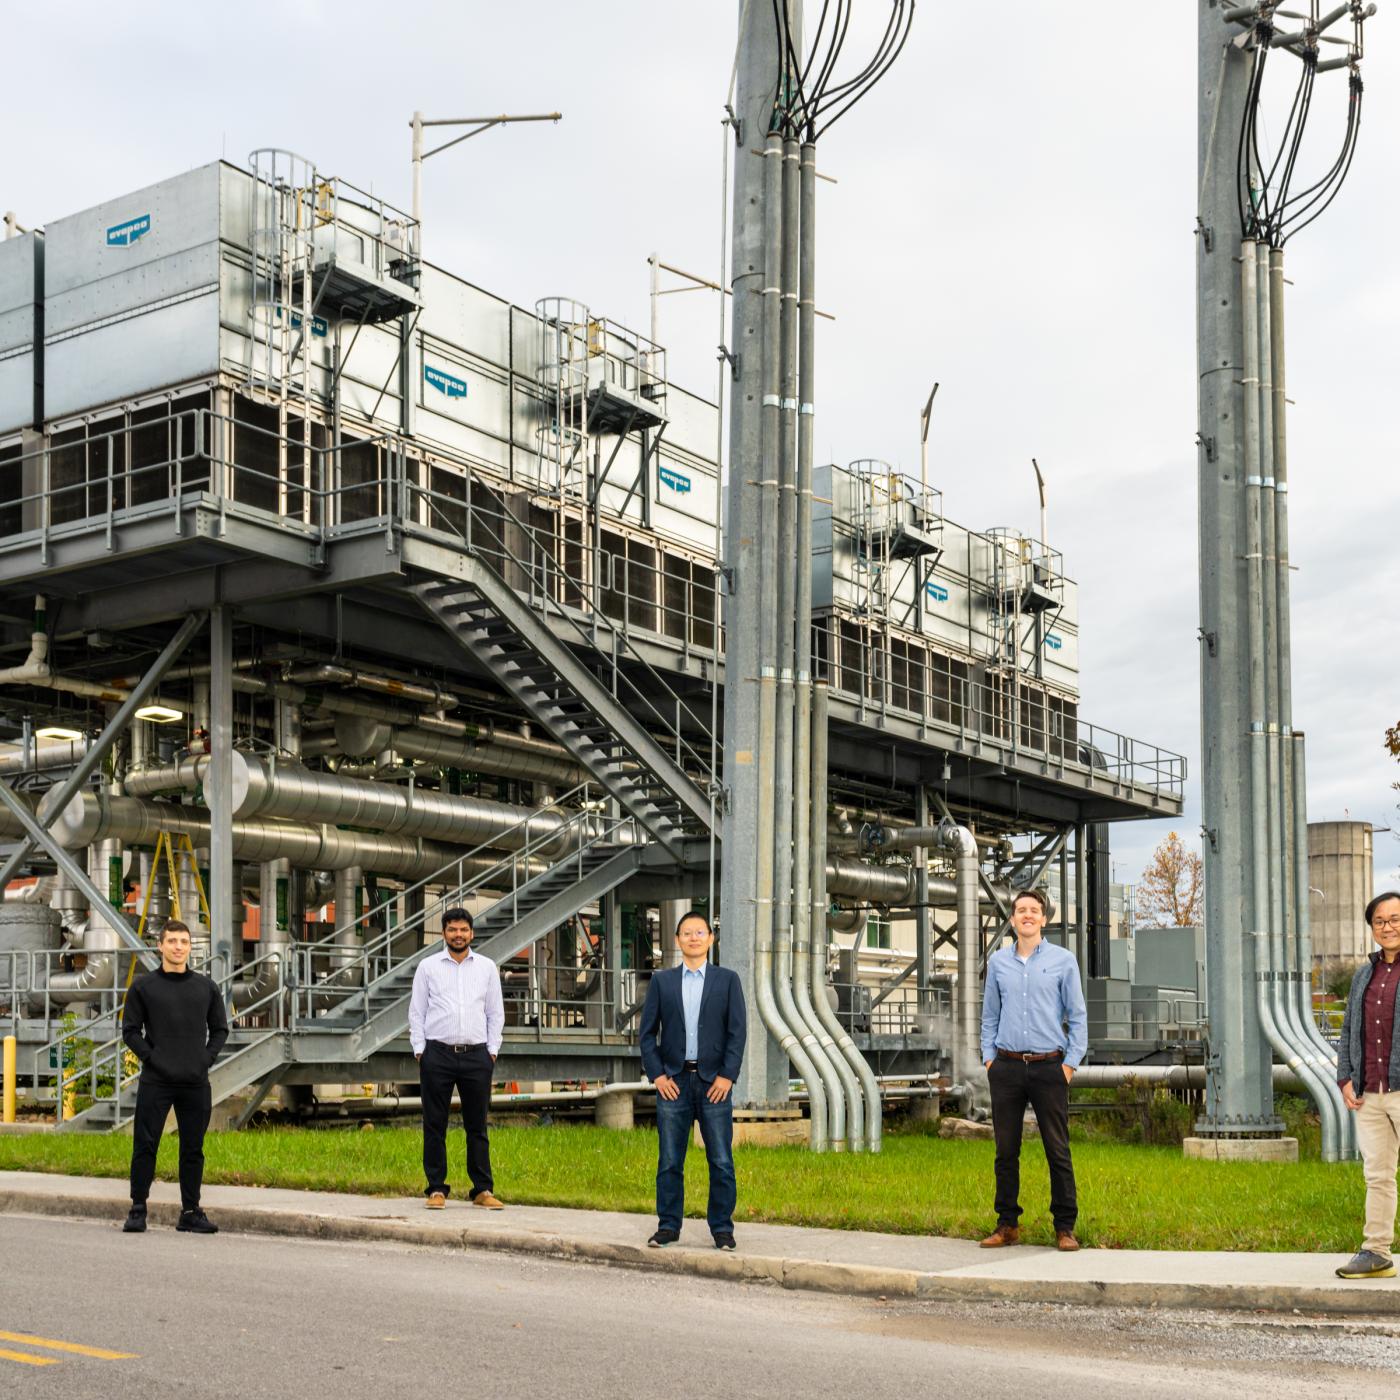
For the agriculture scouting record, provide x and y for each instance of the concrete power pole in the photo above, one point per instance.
(764, 1080)
(1240, 1096)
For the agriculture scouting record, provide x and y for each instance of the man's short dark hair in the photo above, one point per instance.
(458, 916)
(693, 914)
(173, 926)
(1377, 902)
(1037, 895)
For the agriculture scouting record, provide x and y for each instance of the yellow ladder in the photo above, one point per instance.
(174, 850)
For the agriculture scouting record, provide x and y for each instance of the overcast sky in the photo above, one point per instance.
(1013, 218)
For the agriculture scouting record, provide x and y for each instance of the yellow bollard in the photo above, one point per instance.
(9, 1071)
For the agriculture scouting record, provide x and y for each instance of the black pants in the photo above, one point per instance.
(1015, 1084)
(440, 1071)
(155, 1097)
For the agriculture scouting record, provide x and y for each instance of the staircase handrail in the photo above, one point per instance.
(113, 1049)
(554, 607)
(364, 956)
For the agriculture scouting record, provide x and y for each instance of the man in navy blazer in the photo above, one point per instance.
(692, 1035)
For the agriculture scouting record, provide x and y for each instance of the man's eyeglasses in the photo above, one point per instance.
(1392, 922)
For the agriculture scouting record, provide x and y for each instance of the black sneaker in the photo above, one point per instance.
(662, 1238)
(1367, 1264)
(195, 1222)
(135, 1222)
(725, 1242)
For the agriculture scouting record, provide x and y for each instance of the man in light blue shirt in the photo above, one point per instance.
(1034, 1034)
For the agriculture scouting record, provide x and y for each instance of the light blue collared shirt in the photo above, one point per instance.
(692, 989)
(1027, 1005)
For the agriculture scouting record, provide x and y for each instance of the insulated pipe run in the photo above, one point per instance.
(274, 935)
(836, 1074)
(90, 817)
(768, 1006)
(858, 1078)
(452, 744)
(293, 793)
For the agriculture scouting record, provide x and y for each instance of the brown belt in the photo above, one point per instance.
(1029, 1057)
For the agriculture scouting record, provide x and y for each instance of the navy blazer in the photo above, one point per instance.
(723, 1024)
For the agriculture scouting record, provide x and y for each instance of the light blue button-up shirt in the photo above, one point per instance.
(1027, 1005)
(692, 989)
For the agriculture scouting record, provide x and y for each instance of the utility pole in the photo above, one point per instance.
(763, 1082)
(1239, 1082)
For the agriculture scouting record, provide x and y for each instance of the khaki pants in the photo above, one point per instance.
(1378, 1136)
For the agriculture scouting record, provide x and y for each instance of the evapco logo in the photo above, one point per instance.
(1053, 642)
(124, 235)
(936, 591)
(445, 383)
(678, 482)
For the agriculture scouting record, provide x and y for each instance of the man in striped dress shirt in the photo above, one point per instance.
(455, 1019)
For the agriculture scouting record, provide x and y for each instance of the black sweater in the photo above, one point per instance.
(174, 1023)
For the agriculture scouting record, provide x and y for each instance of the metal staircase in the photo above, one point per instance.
(537, 901)
(512, 642)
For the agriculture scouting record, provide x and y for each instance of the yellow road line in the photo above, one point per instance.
(28, 1360)
(49, 1344)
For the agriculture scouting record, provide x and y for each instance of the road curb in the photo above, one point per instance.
(855, 1280)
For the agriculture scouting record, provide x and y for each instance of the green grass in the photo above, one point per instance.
(1131, 1197)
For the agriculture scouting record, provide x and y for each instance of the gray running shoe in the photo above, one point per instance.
(1367, 1264)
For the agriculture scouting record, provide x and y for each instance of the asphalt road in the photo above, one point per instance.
(262, 1318)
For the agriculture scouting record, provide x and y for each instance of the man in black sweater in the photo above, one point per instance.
(174, 1023)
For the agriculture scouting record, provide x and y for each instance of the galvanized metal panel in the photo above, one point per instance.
(21, 276)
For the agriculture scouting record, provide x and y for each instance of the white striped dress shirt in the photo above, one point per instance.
(458, 1003)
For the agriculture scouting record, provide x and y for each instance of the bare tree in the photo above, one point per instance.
(1170, 892)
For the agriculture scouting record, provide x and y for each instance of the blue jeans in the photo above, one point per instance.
(674, 1118)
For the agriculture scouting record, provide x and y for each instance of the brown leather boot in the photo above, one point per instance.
(1002, 1236)
(1065, 1241)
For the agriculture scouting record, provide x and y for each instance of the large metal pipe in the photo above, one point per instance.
(800, 286)
(293, 793)
(858, 1078)
(92, 817)
(1272, 1016)
(766, 996)
(968, 1069)
(60, 755)
(454, 744)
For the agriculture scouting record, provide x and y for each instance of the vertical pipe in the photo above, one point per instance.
(824, 1051)
(967, 1041)
(218, 788)
(856, 1075)
(768, 775)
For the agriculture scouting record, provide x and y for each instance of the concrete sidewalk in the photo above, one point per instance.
(833, 1261)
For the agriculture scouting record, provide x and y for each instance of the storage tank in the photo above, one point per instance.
(1341, 880)
(29, 926)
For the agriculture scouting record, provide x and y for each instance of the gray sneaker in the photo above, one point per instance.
(1367, 1264)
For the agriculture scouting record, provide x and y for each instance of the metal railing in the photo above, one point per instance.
(332, 972)
(87, 1073)
(580, 572)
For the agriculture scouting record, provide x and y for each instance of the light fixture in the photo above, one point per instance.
(160, 714)
(57, 731)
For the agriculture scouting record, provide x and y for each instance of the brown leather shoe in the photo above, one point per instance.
(1002, 1236)
(436, 1201)
(1065, 1241)
(487, 1201)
